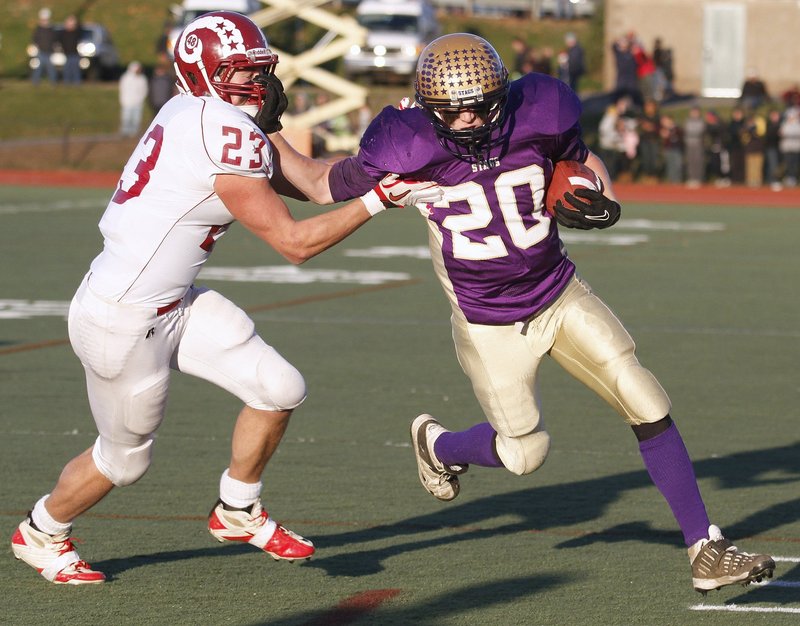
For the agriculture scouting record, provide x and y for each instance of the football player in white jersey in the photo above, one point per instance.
(202, 164)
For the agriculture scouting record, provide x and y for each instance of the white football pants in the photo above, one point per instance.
(127, 352)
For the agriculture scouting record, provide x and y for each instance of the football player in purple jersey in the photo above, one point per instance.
(515, 296)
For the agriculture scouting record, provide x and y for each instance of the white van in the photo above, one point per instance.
(397, 31)
(188, 10)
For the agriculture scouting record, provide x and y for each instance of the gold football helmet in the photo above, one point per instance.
(457, 72)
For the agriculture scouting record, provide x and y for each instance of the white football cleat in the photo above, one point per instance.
(439, 480)
(53, 556)
(254, 526)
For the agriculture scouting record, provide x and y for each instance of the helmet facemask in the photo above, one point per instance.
(227, 90)
(472, 144)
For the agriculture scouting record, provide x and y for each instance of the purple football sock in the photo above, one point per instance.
(473, 446)
(670, 469)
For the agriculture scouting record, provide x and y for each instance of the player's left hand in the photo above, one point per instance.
(597, 211)
(275, 102)
(396, 191)
(393, 191)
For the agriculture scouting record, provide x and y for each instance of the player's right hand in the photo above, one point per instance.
(406, 103)
(590, 209)
(275, 102)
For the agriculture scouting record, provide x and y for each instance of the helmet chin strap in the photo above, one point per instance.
(181, 84)
(209, 84)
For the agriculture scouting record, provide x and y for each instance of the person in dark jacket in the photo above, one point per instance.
(735, 145)
(627, 80)
(44, 38)
(69, 39)
(773, 160)
(576, 67)
(162, 87)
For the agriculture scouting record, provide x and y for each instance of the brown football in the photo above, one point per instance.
(567, 177)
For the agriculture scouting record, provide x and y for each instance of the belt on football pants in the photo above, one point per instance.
(162, 310)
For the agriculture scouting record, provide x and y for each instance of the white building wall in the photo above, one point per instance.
(772, 38)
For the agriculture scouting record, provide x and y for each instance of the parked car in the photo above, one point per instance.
(99, 56)
(565, 9)
(397, 31)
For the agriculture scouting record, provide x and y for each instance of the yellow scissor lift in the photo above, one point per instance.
(346, 96)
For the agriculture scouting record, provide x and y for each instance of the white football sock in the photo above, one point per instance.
(45, 522)
(237, 494)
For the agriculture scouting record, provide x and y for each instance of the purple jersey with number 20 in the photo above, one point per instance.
(496, 252)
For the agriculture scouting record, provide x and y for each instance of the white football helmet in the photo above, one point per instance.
(213, 47)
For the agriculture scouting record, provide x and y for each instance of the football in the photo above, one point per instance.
(567, 177)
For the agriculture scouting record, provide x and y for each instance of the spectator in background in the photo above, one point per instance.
(645, 69)
(790, 145)
(672, 146)
(362, 120)
(627, 80)
(336, 126)
(735, 145)
(521, 51)
(162, 43)
(664, 75)
(529, 64)
(133, 90)
(694, 128)
(627, 124)
(717, 159)
(791, 97)
(321, 99)
(162, 87)
(753, 138)
(70, 38)
(562, 67)
(300, 102)
(610, 138)
(754, 91)
(576, 66)
(542, 60)
(44, 38)
(649, 142)
(772, 151)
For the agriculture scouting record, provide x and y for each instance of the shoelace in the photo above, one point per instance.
(59, 547)
(78, 567)
(260, 517)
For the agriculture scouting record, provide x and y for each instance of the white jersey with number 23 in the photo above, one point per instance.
(164, 218)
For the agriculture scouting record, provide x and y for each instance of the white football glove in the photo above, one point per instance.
(406, 103)
(394, 191)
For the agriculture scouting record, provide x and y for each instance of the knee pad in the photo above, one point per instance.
(642, 396)
(122, 465)
(237, 359)
(525, 454)
(282, 386)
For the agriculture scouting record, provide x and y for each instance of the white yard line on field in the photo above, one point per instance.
(47, 207)
(735, 608)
